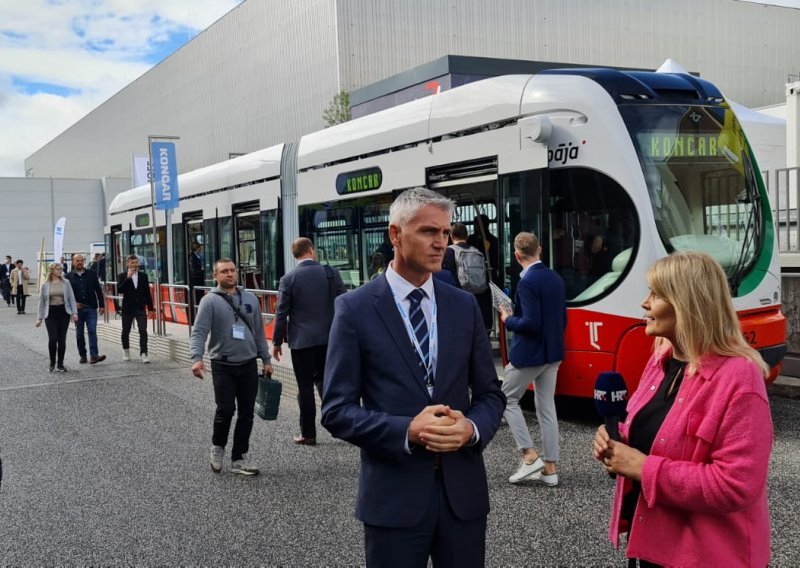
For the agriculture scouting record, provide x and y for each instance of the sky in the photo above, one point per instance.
(59, 59)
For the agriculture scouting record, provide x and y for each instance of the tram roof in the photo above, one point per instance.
(242, 170)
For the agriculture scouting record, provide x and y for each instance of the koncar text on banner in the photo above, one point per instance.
(58, 239)
(165, 174)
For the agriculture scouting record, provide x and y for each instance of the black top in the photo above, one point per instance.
(87, 289)
(648, 421)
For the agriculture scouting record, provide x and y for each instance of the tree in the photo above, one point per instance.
(339, 109)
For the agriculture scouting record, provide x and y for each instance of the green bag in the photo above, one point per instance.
(268, 399)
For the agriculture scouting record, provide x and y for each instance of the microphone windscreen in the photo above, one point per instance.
(610, 394)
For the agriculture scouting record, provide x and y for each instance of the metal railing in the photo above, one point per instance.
(783, 188)
(177, 304)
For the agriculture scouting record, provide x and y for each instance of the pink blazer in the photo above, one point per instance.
(704, 484)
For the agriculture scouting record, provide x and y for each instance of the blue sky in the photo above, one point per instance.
(59, 59)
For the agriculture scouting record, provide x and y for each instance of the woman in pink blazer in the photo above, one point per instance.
(695, 447)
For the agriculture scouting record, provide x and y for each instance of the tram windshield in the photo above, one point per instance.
(701, 182)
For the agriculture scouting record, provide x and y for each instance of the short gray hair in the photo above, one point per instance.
(412, 200)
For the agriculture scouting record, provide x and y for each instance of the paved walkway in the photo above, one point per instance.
(107, 465)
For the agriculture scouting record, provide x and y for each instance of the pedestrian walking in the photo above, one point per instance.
(303, 316)
(56, 308)
(537, 348)
(137, 304)
(230, 318)
(90, 302)
(20, 279)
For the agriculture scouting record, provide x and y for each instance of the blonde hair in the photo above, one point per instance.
(51, 269)
(706, 322)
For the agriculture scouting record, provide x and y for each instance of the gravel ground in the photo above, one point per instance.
(107, 465)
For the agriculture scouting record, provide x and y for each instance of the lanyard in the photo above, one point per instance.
(432, 340)
(231, 304)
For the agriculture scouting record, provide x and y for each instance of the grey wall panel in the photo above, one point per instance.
(261, 75)
(747, 49)
(32, 207)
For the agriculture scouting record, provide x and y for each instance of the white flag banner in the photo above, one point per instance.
(141, 170)
(58, 239)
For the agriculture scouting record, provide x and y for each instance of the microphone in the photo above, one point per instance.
(610, 400)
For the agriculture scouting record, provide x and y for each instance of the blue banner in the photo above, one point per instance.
(165, 174)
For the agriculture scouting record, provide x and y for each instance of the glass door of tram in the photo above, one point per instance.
(248, 245)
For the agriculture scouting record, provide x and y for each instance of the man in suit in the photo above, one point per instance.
(5, 279)
(422, 405)
(305, 313)
(136, 301)
(197, 272)
(537, 348)
(90, 301)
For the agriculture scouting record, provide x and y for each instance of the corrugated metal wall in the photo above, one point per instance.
(261, 75)
(747, 49)
(264, 73)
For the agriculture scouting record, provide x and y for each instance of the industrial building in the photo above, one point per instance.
(264, 73)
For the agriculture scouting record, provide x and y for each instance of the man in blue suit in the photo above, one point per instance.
(303, 315)
(411, 381)
(537, 348)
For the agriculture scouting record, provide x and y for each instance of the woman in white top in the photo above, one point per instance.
(57, 307)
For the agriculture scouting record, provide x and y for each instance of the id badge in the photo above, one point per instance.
(238, 331)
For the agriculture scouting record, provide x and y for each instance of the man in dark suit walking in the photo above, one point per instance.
(537, 348)
(5, 279)
(422, 405)
(305, 313)
(134, 287)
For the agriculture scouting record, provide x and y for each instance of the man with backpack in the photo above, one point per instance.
(468, 266)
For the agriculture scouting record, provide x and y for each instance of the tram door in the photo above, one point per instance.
(193, 237)
(248, 245)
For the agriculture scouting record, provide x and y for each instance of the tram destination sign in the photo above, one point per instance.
(368, 179)
(671, 145)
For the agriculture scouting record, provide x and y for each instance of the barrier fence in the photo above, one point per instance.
(178, 304)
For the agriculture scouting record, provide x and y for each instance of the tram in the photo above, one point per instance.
(611, 169)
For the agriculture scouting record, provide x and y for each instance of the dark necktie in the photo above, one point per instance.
(417, 319)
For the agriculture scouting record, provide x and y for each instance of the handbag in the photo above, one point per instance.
(268, 398)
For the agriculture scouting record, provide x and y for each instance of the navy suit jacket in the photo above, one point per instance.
(305, 305)
(374, 387)
(539, 319)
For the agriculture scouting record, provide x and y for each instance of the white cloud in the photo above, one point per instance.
(85, 50)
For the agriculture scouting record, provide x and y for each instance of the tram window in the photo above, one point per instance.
(330, 226)
(226, 238)
(376, 246)
(586, 223)
(178, 255)
(593, 232)
(272, 258)
(210, 248)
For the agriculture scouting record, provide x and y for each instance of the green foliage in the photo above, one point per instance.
(338, 110)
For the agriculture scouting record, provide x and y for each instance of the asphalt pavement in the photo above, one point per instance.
(108, 465)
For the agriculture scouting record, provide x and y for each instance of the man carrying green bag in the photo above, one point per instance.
(230, 318)
(268, 399)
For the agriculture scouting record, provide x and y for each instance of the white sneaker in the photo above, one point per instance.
(526, 470)
(217, 455)
(145, 358)
(244, 467)
(549, 479)
(126, 354)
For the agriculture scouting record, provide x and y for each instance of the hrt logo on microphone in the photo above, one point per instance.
(616, 396)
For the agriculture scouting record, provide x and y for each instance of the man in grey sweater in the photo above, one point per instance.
(230, 317)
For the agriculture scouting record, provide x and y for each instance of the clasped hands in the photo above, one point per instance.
(618, 457)
(439, 428)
